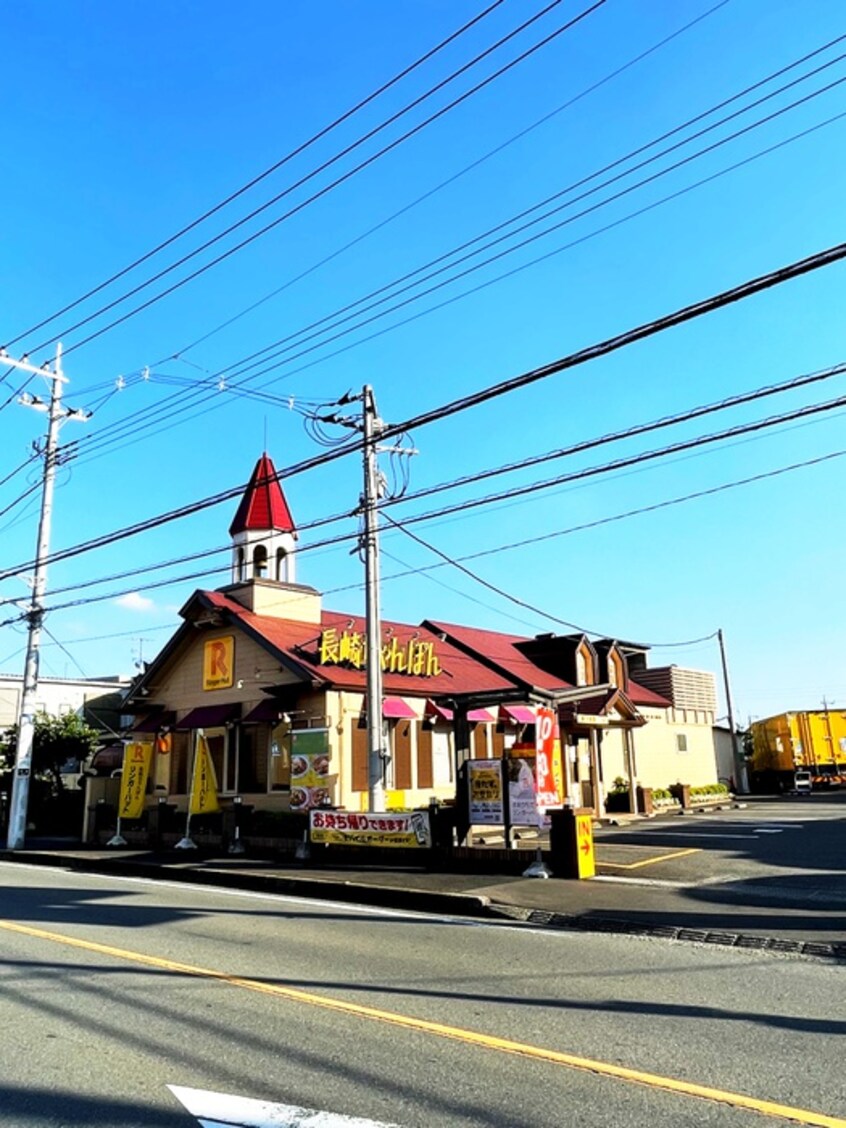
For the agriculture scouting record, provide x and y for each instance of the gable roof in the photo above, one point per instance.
(263, 505)
(297, 645)
(640, 695)
(500, 651)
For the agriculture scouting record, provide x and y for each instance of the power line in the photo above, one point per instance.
(263, 175)
(603, 348)
(513, 545)
(453, 563)
(461, 507)
(365, 163)
(631, 460)
(451, 179)
(103, 440)
(261, 353)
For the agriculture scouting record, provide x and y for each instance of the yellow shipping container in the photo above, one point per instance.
(813, 741)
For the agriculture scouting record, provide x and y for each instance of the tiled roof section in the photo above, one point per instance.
(263, 505)
(501, 651)
(640, 695)
(456, 671)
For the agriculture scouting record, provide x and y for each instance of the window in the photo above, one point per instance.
(259, 561)
(241, 569)
(279, 759)
(217, 740)
(681, 742)
(581, 668)
(281, 565)
(613, 679)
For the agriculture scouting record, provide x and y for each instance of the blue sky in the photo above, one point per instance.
(123, 123)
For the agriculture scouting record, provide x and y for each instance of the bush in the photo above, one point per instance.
(709, 789)
(661, 793)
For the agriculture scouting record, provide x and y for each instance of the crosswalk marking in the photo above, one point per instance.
(223, 1110)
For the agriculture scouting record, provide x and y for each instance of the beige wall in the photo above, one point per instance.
(659, 760)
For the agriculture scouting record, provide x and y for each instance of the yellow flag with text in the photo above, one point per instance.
(133, 780)
(204, 784)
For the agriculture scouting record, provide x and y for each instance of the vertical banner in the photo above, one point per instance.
(204, 783)
(133, 780)
(550, 775)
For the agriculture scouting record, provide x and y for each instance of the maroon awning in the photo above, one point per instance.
(107, 760)
(266, 712)
(433, 709)
(210, 716)
(520, 714)
(396, 709)
(154, 722)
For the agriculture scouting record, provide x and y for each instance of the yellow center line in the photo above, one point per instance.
(456, 1033)
(651, 861)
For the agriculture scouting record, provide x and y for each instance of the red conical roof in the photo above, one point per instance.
(263, 505)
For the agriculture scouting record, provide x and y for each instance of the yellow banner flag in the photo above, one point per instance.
(133, 780)
(204, 784)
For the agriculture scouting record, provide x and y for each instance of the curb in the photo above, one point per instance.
(609, 924)
(379, 896)
(428, 901)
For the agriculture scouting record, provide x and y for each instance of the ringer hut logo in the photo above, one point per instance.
(219, 663)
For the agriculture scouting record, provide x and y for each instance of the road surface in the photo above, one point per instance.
(132, 1003)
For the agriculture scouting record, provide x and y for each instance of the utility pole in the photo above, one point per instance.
(370, 427)
(376, 743)
(739, 762)
(35, 615)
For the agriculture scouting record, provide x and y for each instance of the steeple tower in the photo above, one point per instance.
(262, 531)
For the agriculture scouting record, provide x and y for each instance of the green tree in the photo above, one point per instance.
(55, 741)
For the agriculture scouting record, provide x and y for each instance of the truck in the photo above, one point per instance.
(792, 750)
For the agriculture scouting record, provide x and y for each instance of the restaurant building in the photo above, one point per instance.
(260, 663)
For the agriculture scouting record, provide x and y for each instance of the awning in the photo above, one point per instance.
(107, 760)
(433, 709)
(210, 716)
(153, 722)
(397, 709)
(480, 716)
(266, 712)
(520, 714)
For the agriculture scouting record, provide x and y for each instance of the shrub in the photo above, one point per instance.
(709, 789)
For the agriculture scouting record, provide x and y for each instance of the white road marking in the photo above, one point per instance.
(615, 878)
(687, 834)
(221, 1110)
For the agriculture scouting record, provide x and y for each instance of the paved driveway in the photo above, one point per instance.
(787, 848)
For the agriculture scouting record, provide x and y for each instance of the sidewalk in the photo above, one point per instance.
(803, 915)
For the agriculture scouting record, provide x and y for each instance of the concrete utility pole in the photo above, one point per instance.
(739, 761)
(376, 742)
(370, 426)
(26, 719)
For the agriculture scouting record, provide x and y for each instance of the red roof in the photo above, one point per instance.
(640, 695)
(263, 505)
(456, 672)
(501, 651)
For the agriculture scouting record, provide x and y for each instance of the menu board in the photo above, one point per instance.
(484, 790)
(311, 764)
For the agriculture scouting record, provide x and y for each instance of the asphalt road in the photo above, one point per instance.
(115, 990)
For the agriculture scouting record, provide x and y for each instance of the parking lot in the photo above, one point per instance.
(789, 843)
